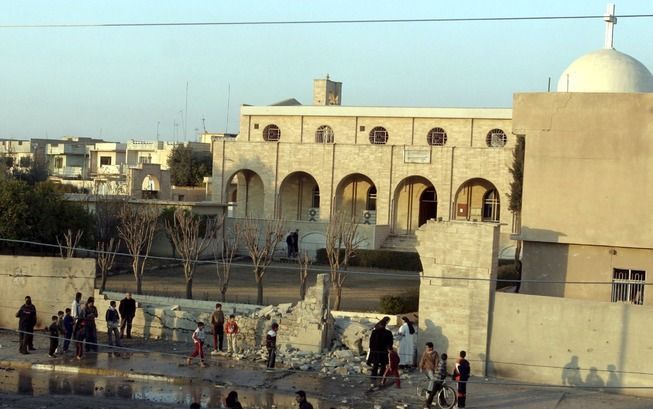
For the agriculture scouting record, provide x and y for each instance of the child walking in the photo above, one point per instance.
(54, 337)
(61, 332)
(198, 341)
(231, 328)
(393, 368)
(113, 324)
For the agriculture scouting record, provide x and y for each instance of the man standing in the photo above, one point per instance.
(26, 321)
(217, 321)
(300, 397)
(76, 306)
(380, 340)
(127, 310)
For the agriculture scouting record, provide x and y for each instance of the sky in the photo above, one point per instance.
(127, 82)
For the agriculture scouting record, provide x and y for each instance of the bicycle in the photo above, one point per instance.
(445, 398)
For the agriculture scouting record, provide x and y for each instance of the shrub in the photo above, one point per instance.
(391, 260)
(507, 272)
(401, 304)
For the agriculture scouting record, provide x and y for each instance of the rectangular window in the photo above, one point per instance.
(144, 159)
(58, 163)
(105, 160)
(628, 286)
(255, 126)
(361, 128)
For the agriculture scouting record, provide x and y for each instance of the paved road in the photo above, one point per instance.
(258, 388)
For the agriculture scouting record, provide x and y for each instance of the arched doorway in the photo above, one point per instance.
(245, 194)
(415, 202)
(150, 187)
(477, 199)
(356, 198)
(299, 197)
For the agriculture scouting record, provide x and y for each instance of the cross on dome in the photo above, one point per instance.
(610, 20)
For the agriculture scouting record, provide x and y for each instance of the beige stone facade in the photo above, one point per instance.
(585, 212)
(457, 287)
(391, 168)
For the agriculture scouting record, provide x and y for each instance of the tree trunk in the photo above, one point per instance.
(104, 281)
(259, 290)
(139, 284)
(189, 288)
(302, 289)
(223, 295)
(518, 264)
(336, 305)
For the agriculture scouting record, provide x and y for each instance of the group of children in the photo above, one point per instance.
(79, 326)
(435, 368)
(199, 337)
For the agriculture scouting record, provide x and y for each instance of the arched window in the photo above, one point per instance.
(437, 137)
(370, 204)
(496, 138)
(378, 136)
(491, 206)
(315, 202)
(271, 133)
(324, 134)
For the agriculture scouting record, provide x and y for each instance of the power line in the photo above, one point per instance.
(403, 276)
(316, 22)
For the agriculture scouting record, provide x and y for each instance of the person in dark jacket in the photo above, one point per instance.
(300, 397)
(232, 401)
(26, 321)
(380, 340)
(68, 326)
(54, 337)
(112, 319)
(127, 311)
(90, 314)
(461, 374)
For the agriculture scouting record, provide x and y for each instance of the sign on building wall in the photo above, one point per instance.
(417, 155)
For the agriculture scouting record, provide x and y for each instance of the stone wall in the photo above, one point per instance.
(51, 282)
(572, 342)
(457, 287)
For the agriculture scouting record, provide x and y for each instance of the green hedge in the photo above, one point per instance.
(393, 305)
(391, 260)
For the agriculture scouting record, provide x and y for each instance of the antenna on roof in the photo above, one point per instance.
(226, 128)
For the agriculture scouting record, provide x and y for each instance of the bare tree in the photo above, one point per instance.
(261, 239)
(303, 260)
(106, 254)
(223, 254)
(342, 241)
(70, 243)
(191, 235)
(136, 228)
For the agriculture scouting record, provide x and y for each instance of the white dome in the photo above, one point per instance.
(606, 70)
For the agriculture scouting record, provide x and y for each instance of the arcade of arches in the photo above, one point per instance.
(415, 200)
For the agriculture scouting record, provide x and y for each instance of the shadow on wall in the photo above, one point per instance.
(544, 260)
(440, 341)
(572, 376)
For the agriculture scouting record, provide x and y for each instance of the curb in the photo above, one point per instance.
(93, 371)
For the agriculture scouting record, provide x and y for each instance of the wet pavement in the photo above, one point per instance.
(177, 384)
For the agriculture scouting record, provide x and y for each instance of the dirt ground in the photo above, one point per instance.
(362, 290)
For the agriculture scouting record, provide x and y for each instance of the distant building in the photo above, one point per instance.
(389, 169)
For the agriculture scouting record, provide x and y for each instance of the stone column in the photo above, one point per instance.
(309, 327)
(459, 260)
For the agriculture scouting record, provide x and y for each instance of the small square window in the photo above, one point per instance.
(361, 128)
(255, 126)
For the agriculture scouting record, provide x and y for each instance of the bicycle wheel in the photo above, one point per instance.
(447, 397)
(422, 389)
